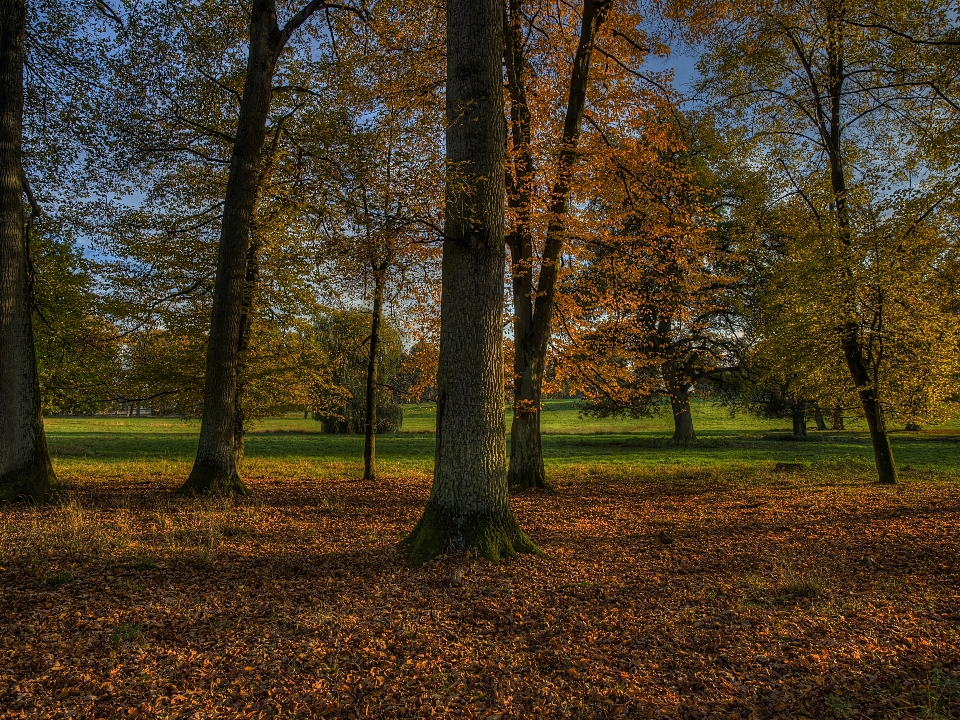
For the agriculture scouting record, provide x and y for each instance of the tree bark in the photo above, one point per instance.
(533, 310)
(683, 433)
(818, 416)
(252, 277)
(799, 416)
(215, 468)
(25, 469)
(872, 409)
(679, 387)
(469, 506)
(370, 410)
(836, 419)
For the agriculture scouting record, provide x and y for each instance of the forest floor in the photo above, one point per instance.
(666, 591)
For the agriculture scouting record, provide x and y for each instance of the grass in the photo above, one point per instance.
(144, 449)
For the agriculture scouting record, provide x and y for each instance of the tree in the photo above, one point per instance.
(382, 198)
(647, 303)
(469, 505)
(344, 336)
(215, 468)
(534, 296)
(844, 122)
(25, 468)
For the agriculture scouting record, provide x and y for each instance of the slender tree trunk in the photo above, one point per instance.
(534, 310)
(25, 469)
(831, 123)
(469, 506)
(215, 468)
(799, 416)
(370, 411)
(872, 409)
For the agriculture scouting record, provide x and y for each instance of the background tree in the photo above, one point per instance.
(648, 306)
(830, 104)
(345, 336)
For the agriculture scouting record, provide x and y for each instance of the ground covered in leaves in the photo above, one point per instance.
(689, 596)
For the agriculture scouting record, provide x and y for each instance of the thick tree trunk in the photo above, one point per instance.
(836, 419)
(215, 468)
(25, 469)
(370, 410)
(526, 449)
(469, 506)
(252, 277)
(679, 388)
(533, 311)
(799, 416)
(818, 416)
(683, 433)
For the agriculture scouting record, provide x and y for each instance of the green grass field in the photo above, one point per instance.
(573, 445)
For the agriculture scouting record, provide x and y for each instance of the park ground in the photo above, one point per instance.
(698, 582)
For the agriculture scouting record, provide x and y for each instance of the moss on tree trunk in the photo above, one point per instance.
(440, 532)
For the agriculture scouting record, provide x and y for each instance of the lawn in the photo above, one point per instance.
(142, 447)
(678, 582)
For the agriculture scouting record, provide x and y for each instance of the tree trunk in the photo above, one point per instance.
(683, 433)
(215, 468)
(370, 411)
(848, 330)
(679, 387)
(25, 469)
(836, 420)
(469, 506)
(818, 416)
(533, 311)
(799, 415)
(872, 410)
(251, 278)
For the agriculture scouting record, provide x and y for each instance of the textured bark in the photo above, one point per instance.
(251, 279)
(215, 468)
(534, 307)
(370, 409)
(25, 469)
(469, 506)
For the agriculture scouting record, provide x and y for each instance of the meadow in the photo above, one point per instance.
(694, 582)
(573, 444)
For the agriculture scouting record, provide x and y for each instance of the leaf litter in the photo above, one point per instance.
(805, 600)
